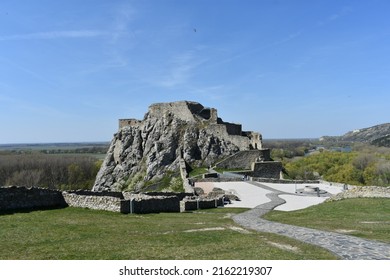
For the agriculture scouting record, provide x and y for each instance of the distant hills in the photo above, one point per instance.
(378, 135)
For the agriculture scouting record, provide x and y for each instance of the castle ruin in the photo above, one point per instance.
(193, 112)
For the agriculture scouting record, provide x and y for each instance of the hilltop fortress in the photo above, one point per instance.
(193, 112)
(170, 137)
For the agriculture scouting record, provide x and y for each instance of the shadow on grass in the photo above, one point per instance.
(29, 210)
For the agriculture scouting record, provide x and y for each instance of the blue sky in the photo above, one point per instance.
(285, 68)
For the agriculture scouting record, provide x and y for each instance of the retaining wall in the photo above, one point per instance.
(240, 160)
(257, 179)
(284, 181)
(267, 169)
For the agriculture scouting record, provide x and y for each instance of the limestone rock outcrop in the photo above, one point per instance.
(378, 135)
(145, 150)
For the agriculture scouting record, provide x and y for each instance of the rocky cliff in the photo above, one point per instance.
(144, 151)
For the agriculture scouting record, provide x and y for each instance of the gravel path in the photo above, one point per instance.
(344, 246)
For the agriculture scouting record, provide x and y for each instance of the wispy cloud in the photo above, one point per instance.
(116, 49)
(283, 40)
(302, 62)
(335, 16)
(54, 35)
(181, 69)
(123, 16)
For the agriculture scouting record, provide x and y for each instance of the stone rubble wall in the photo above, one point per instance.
(363, 192)
(18, 198)
(92, 193)
(144, 204)
(184, 176)
(180, 195)
(95, 202)
(191, 204)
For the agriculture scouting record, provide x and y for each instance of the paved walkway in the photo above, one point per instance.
(344, 246)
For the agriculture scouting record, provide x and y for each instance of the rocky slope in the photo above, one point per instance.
(145, 151)
(377, 135)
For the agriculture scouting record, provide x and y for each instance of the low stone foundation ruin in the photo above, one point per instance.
(15, 198)
(21, 198)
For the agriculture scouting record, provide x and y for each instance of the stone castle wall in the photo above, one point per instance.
(128, 122)
(182, 110)
(231, 128)
(19, 198)
(221, 131)
(267, 169)
(184, 176)
(240, 160)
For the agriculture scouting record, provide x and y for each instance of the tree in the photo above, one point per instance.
(29, 178)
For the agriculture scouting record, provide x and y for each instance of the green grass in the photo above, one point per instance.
(362, 217)
(197, 171)
(74, 233)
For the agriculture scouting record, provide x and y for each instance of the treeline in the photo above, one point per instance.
(287, 149)
(87, 150)
(84, 150)
(62, 172)
(362, 167)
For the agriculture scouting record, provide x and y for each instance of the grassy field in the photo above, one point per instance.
(362, 217)
(73, 233)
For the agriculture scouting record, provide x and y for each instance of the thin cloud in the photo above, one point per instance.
(181, 69)
(282, 41)
(54, 35)
(336, 16)
(124, 15)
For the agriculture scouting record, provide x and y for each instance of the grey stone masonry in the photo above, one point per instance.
(196, 203)
(266, 169)
(16, 198)
(240, 160)
(95, 202)
(143, 204)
